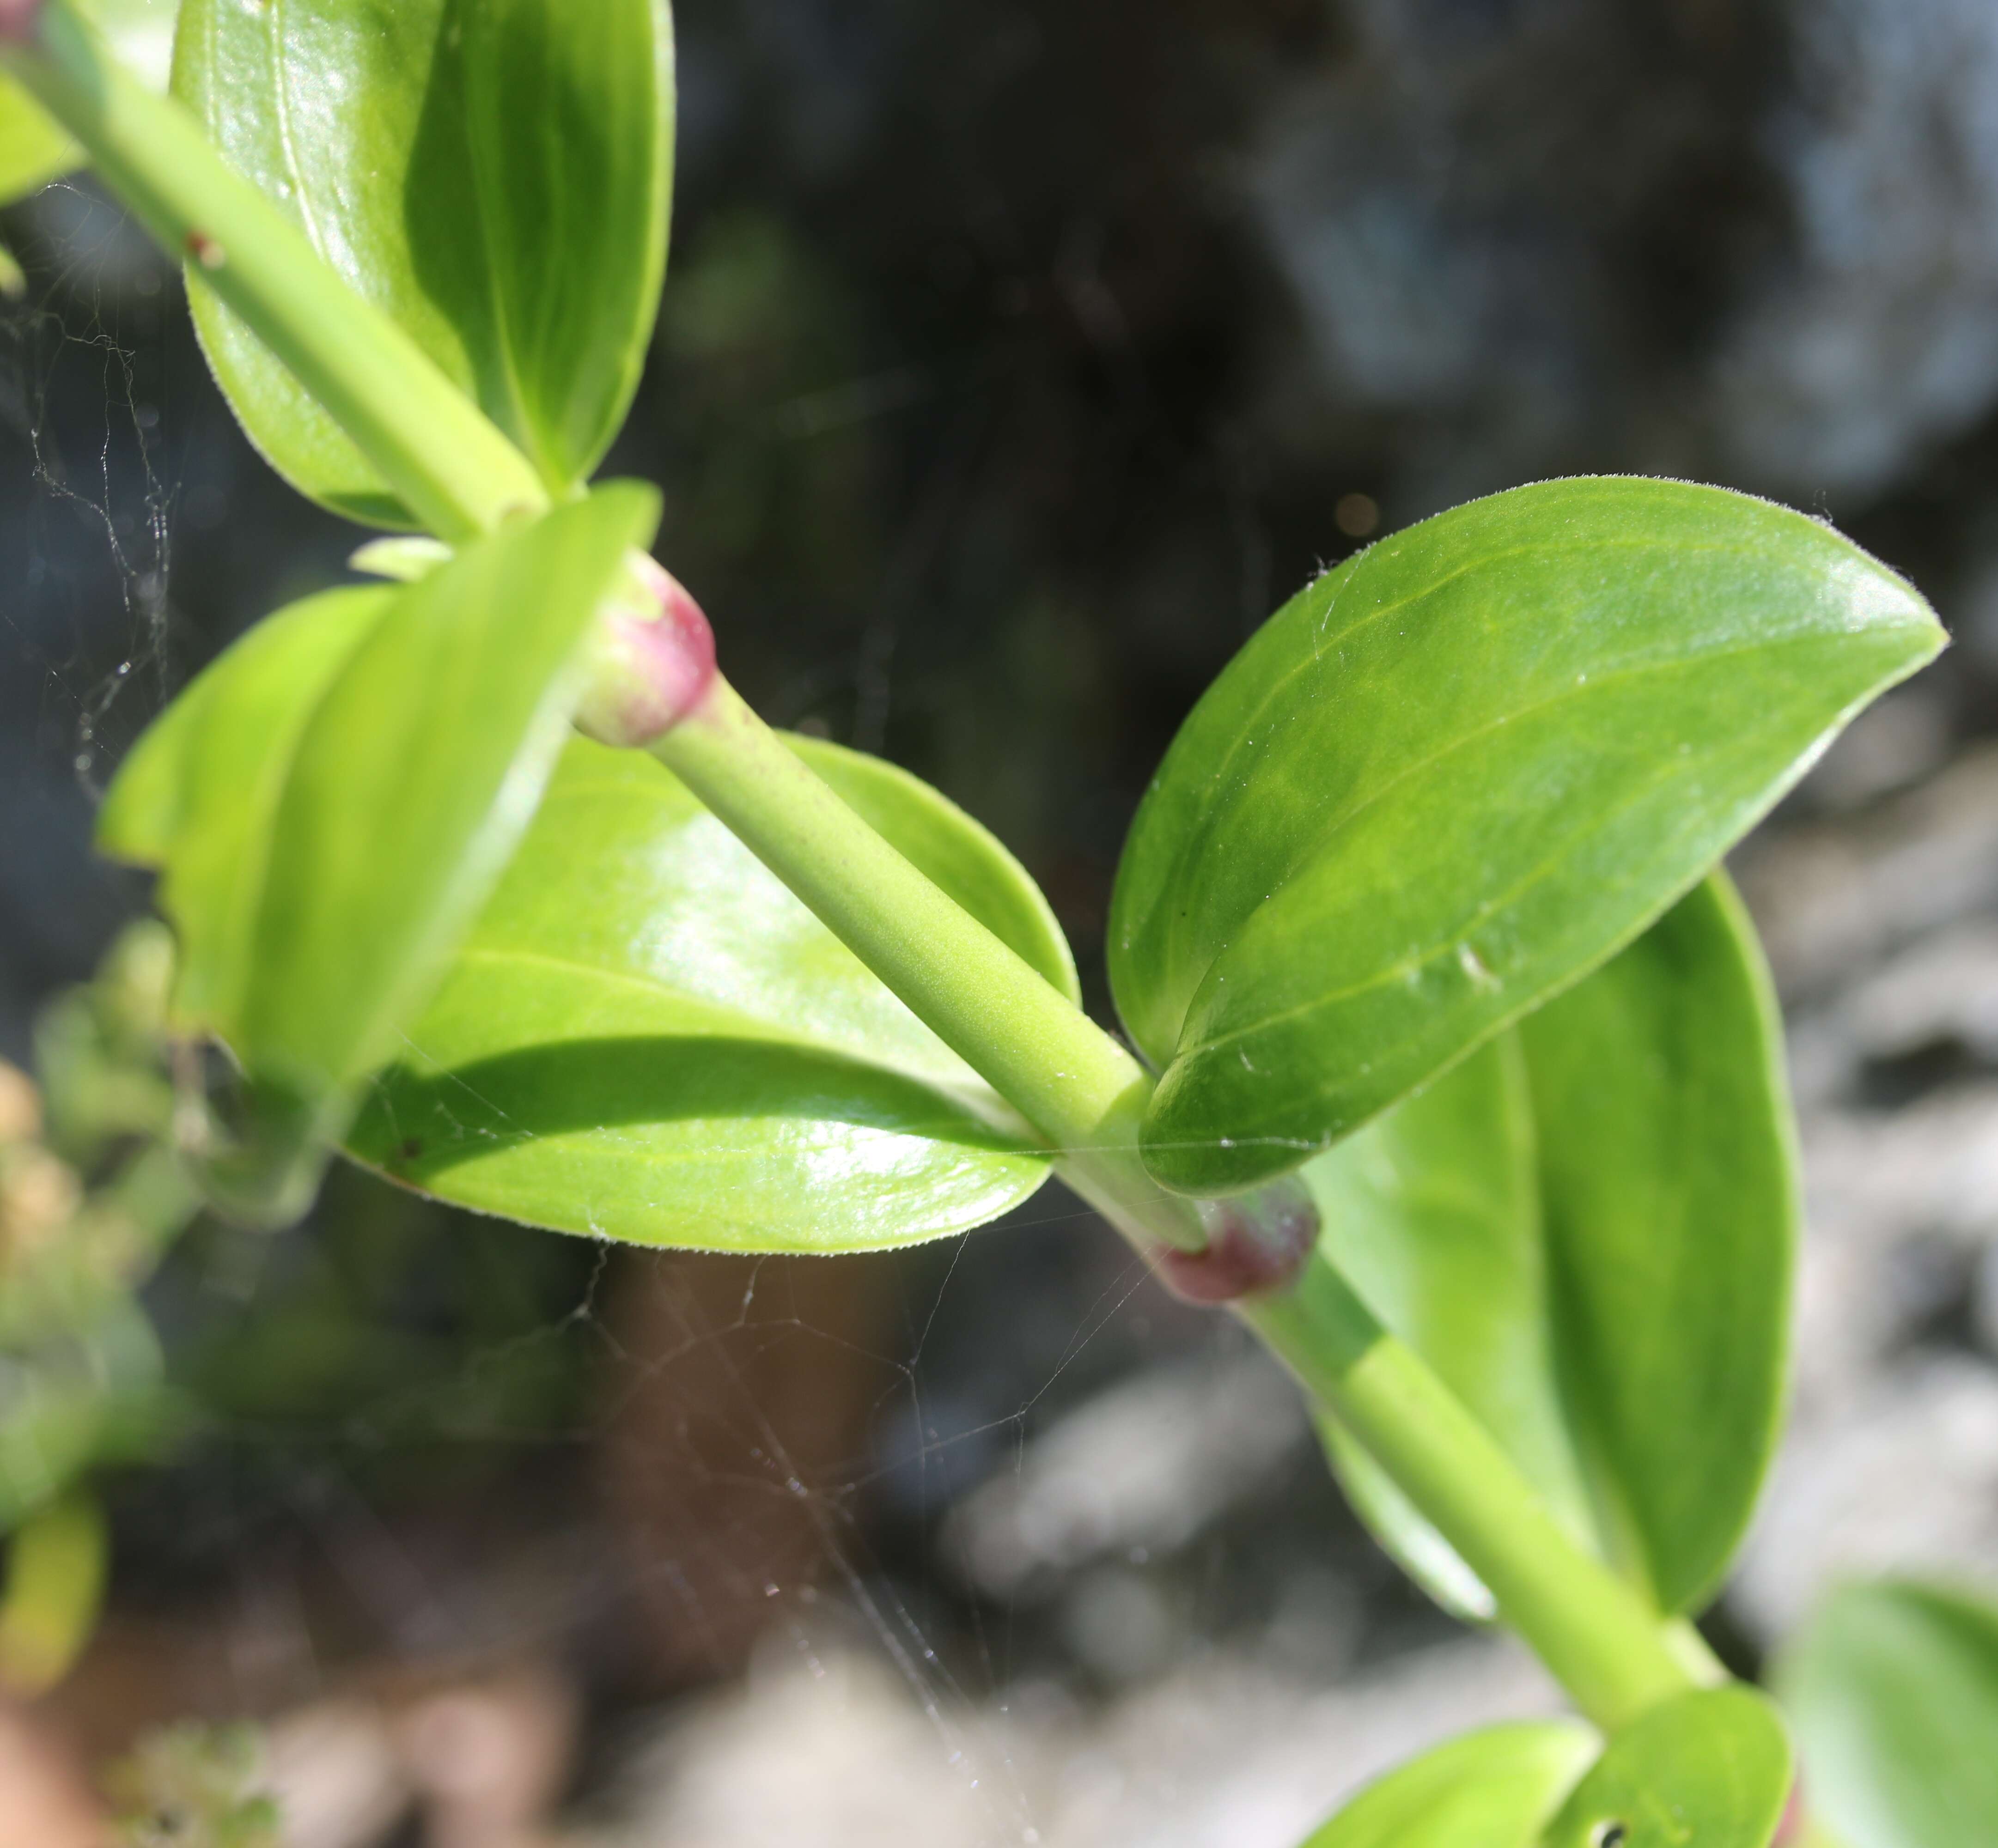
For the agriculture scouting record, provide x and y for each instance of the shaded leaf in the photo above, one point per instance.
(78, 1398)
(1893, 1689)
(334, 799)
(1490, 1789)
(1454, 774)
(495, 174)
(1587, 1227)
(1707, 1771)
(647, 1038)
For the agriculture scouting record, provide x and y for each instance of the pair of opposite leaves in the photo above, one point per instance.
(1444, 782)
(1891, 1692)
(1585, 1223)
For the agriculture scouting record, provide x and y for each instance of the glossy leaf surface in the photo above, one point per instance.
(1893, 1691)
(1455, 773)
(1705, 1770)
(332, 800)
(1587, 1227)
(496, 174)
(647, 1038)
(1491, 1789)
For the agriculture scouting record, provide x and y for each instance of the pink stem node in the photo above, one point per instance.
(655, 660)
(1257, 1244)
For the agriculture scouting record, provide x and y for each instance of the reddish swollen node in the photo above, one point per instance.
(657, 662)
(1256, 1246)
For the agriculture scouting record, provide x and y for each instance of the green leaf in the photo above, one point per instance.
(1893, 1689)
(1453, 775)
(648, 1038)
(33, 151)
(334, 799)
(1706, 1770)
(495, 174)
(1587, 1227)
(1490, 1789)
(55, 1572)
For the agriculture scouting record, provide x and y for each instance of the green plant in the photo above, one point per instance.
(1458, 1075)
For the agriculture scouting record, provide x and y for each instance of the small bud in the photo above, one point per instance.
(655, 660)
(20, 1106)
(38, 1195)
(1256, 1245)
(18, 20)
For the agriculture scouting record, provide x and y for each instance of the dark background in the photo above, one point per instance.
(1015, 361)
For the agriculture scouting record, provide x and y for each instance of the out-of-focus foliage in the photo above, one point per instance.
(1893, 1689)
(33, 149)
(91, 1193)
(194, 1786)
(56, 1565)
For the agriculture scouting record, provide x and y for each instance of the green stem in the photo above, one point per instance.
(452, 466)
(1598, 1638)
(1078, 1088)
(1082, 1092)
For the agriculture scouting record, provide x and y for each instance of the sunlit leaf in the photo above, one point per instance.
(1893, 1691)
(332, 802)
(495, 174)
(1706, 1770)
(1587, 1228)
(1454, 774)
(647, 1038)
(1491, 1789)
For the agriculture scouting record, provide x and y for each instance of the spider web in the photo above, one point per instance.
(80, 395)
(988, 1542)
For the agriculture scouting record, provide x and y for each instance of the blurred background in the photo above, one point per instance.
(1016, 361)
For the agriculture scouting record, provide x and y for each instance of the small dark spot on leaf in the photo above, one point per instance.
(1609, 1835)
(409, 1148)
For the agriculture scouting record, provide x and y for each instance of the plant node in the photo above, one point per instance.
(1256, 1245)
(655, 660)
